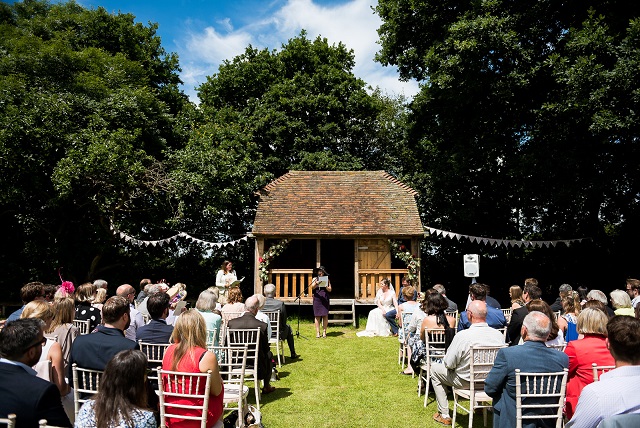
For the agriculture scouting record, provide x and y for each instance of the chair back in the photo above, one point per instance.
(557, 314)
(434, 341)
(155, 354)
(540, 396)
(274, 321)
(226, 317)
(42, 423)
(503, 330)
(600, 370)
(82, 326)
(455, 315)
(9, 421)
(249, 337)
(559, 347)
(184, 395)
(85, 384)
(212, 335)
(403, 331)
(507, 314)
(480, 364)
(232, 361)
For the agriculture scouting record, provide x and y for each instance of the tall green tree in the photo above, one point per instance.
(526, 116)
(89, 107)
(304, 108)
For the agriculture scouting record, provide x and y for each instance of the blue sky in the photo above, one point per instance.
(205, 32)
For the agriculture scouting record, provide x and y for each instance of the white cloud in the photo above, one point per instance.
(353, 23)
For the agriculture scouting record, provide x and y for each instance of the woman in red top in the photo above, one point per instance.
(188, 353)
(592, 323)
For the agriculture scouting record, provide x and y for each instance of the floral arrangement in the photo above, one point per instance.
(413, 263)
(273, 252)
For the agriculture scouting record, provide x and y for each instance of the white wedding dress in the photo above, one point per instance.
(377, 324)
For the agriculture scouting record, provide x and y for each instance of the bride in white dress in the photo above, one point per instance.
(385, 301)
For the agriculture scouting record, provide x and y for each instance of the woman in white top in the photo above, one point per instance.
(224, 278)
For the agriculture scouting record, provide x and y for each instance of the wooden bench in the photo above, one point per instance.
(343, 315)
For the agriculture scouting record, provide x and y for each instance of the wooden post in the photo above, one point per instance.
(259, 250)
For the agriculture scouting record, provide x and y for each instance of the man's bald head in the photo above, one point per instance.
(478, 310)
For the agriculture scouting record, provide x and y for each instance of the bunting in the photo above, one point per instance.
(140, 242)
(506, 242)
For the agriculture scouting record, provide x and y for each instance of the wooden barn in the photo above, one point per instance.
(353, 223)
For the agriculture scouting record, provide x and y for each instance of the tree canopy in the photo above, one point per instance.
(526, 117)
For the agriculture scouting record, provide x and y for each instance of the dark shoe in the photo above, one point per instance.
(441, 419)
(295, 356)
(269, 389)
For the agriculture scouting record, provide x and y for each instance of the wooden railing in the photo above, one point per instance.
(369, 281)
(290, 283)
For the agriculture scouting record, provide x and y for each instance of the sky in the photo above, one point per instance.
(206, 32)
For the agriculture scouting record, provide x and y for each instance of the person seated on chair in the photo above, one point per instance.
(495, 317)
(28, 293)
(248, 320)
(122, 398)
(453, 306)
(206, 305)
(455, 368)
(385, 301)
(592, 348)
(273, 304)
(617, 390)
(392, 316)
(532, 356)
(530, 292)
(157, 331)
(93, 351)
(21, 392)
(85, 294)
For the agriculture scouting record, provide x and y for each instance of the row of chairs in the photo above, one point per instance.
(10, 422)
(551, 385)
(233, 363)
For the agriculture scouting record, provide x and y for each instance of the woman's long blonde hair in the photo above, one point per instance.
(189, 332)
(64, 313)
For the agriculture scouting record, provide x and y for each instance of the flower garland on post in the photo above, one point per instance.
(264, 261)
(413, 263)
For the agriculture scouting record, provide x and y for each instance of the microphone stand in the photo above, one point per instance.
(299, 299)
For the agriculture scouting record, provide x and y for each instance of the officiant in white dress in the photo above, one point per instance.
(377, 324)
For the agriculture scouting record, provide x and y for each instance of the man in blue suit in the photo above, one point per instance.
(21, 392)
(495, 317)
(157, 331)
(532, 356)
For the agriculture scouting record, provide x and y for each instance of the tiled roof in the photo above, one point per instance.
(344, 203)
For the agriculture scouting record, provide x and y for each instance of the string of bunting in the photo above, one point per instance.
(505, 242)
(161, 242)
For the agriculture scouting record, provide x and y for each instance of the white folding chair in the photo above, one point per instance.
(403, 335)
(212, 335)
(275, 339)
(42, 423)
(232, 362)
(600, 370)
(85, 384)
(503, 330)
(559, 347)
(507, 314)
(9, 421)
(82, 326)
(456, 316)
(434, 343)
(539, 393)
(177, 386)
(251, 338)
(226, 317)
(155, 354)
(480, 363)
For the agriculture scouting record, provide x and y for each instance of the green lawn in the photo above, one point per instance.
(347, 381)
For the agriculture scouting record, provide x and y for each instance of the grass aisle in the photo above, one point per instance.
(347, 381)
